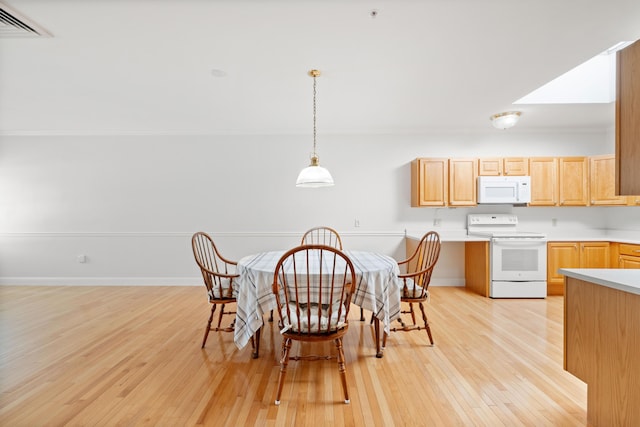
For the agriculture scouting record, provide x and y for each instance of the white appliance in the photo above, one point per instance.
(512, 190)
(518, 259)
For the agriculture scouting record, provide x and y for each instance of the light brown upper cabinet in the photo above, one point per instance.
(429, 182)
(628, 120)
(544, 181)
(516, 166)
(491, 166)
(573, 173)
(496, 166)
(462, 182)
(443, 182)
(602, 181)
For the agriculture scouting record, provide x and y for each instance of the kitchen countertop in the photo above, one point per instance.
(460, 235)
(448, 235)
(627, 280)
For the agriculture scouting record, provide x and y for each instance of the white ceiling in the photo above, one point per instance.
(145, 66)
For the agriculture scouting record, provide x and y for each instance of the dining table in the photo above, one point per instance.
(377, 290)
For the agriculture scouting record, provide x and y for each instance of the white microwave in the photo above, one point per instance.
(506, 190)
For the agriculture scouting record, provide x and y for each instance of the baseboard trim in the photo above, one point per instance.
(139, 281)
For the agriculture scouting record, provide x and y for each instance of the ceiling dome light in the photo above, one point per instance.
(505, 120)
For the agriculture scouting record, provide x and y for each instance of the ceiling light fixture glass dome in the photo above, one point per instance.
(505, 120)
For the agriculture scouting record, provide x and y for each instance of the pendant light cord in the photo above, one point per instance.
(314, 116)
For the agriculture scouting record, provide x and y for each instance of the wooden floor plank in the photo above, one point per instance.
(74, 355)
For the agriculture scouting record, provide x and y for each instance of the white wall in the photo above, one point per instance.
(130, 203)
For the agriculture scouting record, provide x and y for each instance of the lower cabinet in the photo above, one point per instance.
(477, 267)
(573, 255)
(628, 256)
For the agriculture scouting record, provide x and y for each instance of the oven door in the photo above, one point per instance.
(518, 259)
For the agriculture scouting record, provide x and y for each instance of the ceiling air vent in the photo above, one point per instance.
(13, 24)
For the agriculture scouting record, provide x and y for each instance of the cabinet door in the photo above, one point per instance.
(627, 123)
(429, 182)
(602, 181)
(516, 166)
(544, 181)
(462, 182)
(490, 166)
(627, 261)
(573, 184)
(594, 255)
(560, 255)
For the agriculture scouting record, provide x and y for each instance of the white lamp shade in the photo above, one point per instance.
(314, 176)
(505, 120)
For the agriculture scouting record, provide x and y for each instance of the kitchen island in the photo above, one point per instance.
(602, 341)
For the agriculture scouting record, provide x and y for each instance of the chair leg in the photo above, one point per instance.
(384, 339)
(220, 316)
(206, 332)
(413, 315)
(342, 369)
(361, 314)
(271, 316)
(426, 323)
(286, 347)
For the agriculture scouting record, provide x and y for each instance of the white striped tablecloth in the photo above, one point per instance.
(377, 289)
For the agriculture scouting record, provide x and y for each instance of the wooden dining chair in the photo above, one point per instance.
(415, 282)
(313, 285)
(219, 277)
(324, 235)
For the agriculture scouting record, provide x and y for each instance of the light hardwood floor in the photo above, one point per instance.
(92, 356)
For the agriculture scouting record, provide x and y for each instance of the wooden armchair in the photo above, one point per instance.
(313, 285)
(415, 282)
(219, 277)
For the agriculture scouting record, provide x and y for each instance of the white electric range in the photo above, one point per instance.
(518, 259)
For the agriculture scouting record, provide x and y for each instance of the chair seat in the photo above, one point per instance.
(411, 290)
(215, 294)
(310, 321)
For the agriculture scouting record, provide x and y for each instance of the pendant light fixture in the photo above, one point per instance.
(314, 175)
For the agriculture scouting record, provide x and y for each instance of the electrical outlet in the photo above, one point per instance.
(82, 259)
(436, 222)
(356, 223)
(554, 222)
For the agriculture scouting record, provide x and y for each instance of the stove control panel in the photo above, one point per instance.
(492, 219)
